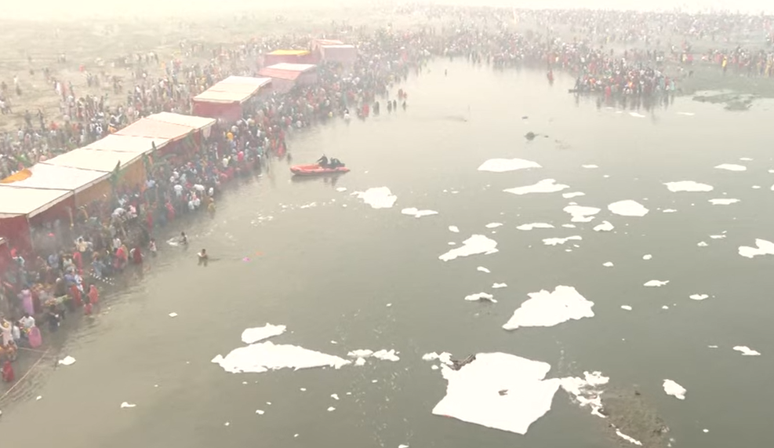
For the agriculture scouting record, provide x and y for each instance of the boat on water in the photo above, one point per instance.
(317, 170)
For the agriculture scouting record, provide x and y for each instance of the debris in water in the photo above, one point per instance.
(544, 186)
(674, 389)
(479, 297)
(546, 309)
(67, 361)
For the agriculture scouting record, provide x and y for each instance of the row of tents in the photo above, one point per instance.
(55, 188)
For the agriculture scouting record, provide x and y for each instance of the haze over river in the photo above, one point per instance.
(332, 268)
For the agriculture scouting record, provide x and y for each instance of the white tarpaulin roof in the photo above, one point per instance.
(127, 143)
(15, 201)
(198, 123)
(90, 159)
(53, 177)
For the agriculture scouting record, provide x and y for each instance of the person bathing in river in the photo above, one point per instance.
(203, 257)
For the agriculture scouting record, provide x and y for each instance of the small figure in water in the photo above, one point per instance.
(323, 161)
(203, 257)
(183, 239)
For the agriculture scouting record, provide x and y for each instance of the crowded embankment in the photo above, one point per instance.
(57, 257)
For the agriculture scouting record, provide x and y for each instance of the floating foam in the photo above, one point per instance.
(126, 405)
(546, 309)
(544, 186)
(604, 227)
(674, 389)
(687, 185)
(763, 247)
(585, 391)
(259, 412)
(731, 167)
(656, 283)
(687, 114)
(745, 159)
(380, 197)
(535, 225)
(341, 189)
(67, 361)
(499, 391)
(718, 237)
(626, 307)
(589, 167)
(647, 257)
(252, 335)
(483, 269)
(668, 210)
(172, 314)
(702, 244)
(504, 165)
(493, 225)
(629, 439)
(608, 264)
(573, 194)
(479, 297)
(499, 285)
(476, 244)
(723, 201)
(580, 213)
(698, 296)
(746, 351)
(454, 229)
(636, 115)
(418, 213)
(443, 358)
(557, 241)
(384, 355)
(628, 208)
(265, 356)
(569, 226)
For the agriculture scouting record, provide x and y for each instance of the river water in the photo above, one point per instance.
(343, 276)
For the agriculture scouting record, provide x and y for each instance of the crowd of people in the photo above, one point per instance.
(117, 233)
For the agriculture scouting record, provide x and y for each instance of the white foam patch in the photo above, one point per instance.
(493, 225)
(731, 167)
(127, 405)
(443, 358)
(604, 227)
(585, 391)
(341, 189)
(67, 361)
(573, 194)
(483, 269)
(475, 245)
(608, 264)
(557, 241)
(546, 309)
(698, 296)
(454, 229)
(669, 210)
(628, 208)
(656, 283)
(723, 201)
(252, 335)
(763, 247)
(580, 213)
(480, 297)
(718, 237)
(702, 244)
(674, 389)
(499, 391)
(411, 211)
(636, 115)
(647, 257)
(544, 186)
(687, 185)
(569, 226)
(589, 167)
(265, 356)
(499, 285)
(747, 351)
(629, 439)
(379, 197)
(745, 159)
(687, 114)
(626, 307)
(535, 225)
(173, 315)
(504, 165)
(384, 355)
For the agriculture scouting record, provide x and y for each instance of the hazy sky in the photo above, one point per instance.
(75, 8)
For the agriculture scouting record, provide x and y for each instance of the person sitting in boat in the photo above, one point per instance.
(323, 161)
(335, 163)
